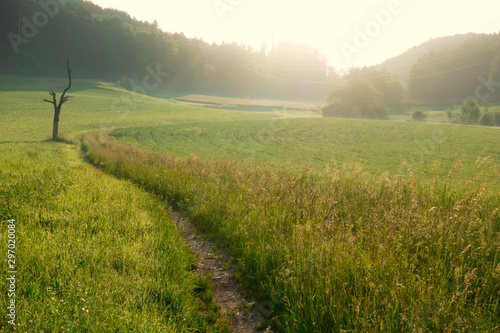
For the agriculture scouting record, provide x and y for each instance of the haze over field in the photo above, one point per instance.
(341, 198)
(250, 50)
(326, 25)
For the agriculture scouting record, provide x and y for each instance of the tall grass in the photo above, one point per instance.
(340, 249)
(94, 254)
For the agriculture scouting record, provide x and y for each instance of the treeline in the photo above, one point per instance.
(37, 36)
(470, 69)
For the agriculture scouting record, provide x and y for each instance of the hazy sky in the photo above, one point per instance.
(350, 32)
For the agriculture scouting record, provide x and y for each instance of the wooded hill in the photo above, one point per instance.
(110, 45)
(470, 69)
(445, 70)
(400, 65)
(36, 38)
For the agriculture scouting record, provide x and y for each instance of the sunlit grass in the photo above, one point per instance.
(93, 253)
(378, 146)
(24, 117)
(319, 250)
(340, 249)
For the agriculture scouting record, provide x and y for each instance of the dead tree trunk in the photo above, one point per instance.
(57, 107)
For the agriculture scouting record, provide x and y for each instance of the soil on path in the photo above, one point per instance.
(214, 261)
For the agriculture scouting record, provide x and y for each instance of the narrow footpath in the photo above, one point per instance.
(214, 261)
(226, 292)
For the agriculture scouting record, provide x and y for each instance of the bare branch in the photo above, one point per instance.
(63, 99)
(53, 101)
(57, 108)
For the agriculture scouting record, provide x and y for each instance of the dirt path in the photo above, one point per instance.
(215, 262)
(226, 293)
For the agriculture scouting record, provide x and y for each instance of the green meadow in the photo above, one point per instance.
(93, 106)
(339, 249)
(377, 146)
(335, 224)
(93, 253)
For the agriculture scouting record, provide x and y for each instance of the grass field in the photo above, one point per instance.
(25, 117)
(435, 113)
(339, 250)
(93, 253)
(242, 104)
(318, 249)
(378, 146)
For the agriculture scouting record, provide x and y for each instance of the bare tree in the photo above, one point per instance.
(57, 107)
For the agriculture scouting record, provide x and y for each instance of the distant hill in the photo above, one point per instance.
(110, 45)
(444, 70)
(401, 64)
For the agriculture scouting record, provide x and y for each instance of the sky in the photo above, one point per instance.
(350, 33)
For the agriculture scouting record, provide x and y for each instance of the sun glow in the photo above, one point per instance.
(350, 34)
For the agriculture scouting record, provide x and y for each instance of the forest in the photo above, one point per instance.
(110, 45)
(471, 68)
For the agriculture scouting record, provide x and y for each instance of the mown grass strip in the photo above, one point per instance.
(340, 250)
(94, 254)
(379, 146)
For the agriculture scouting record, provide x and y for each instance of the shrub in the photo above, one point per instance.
(418, 115)
(375, 111)
(469, 112)
(451, 115)
(488, 119)
(357, 99)
(497, 119)
(337, 109)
